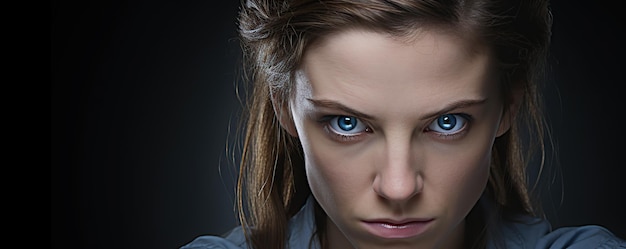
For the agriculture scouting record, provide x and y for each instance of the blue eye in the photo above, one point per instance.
(346, 125)
(448, 124)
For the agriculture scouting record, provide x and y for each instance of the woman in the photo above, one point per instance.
(394, 124)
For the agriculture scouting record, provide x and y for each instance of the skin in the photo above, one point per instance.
(397, 163)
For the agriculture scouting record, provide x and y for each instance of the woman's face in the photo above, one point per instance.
(397, 135)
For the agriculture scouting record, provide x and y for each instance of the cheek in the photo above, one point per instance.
(473, 182)
(472, 177)
(460, 180)
(334, 173)
(468, 162)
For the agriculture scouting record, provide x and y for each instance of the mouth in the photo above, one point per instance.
(392, 229)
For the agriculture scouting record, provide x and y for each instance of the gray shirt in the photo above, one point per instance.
(529, 233)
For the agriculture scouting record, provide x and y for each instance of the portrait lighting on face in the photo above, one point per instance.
(397, 135)
(393, 124)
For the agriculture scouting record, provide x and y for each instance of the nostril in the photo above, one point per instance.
(397, 188)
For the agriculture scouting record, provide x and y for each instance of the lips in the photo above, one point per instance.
(391, 229)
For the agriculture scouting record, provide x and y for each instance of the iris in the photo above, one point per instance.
(346, 123)
(447, 122)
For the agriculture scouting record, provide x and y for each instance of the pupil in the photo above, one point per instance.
(347, 123)
(447, 122)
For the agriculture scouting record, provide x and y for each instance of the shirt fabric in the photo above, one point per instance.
(529, 233)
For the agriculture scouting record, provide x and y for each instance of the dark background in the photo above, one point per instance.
(143, 107)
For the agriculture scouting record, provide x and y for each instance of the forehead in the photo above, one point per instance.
(377, 72)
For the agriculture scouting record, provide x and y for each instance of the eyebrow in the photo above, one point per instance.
(336, 105)
(448, 108)
(455, 105)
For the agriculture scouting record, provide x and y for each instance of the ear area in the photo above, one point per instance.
(509, 114)
(282, 111)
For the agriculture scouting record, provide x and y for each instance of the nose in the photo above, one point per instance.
(398, 179)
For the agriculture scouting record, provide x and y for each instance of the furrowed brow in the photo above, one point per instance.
(455, 105)
(330, 104)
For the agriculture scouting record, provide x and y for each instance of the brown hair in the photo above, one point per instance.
(274, 35)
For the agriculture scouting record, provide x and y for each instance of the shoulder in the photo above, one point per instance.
(589, 236)
(301, 229)
(537, 233)
(234, 239)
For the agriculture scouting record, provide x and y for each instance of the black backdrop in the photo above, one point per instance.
(143, 105)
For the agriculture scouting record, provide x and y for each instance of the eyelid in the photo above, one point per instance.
(335, 135)
(453, 135)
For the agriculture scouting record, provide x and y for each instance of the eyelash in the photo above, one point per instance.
(325, 121)
(452, 136)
